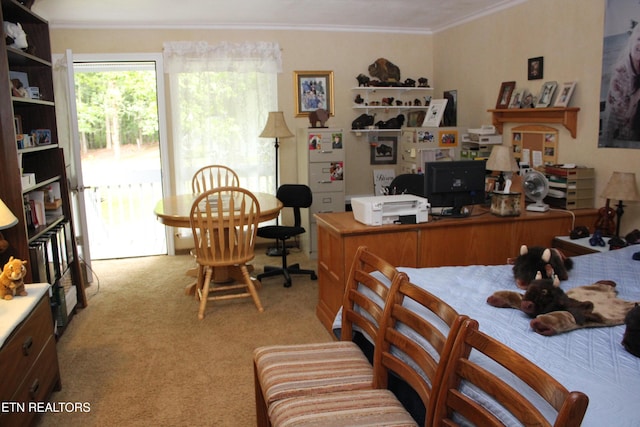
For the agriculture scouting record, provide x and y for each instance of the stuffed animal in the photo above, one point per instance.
(12, 279)
(535, 259)
(631, 339)
(587, 306)
(15, 36)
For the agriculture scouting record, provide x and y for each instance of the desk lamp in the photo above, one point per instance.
(276, 128)
(621, 187)
(501, 159)
(7, 220)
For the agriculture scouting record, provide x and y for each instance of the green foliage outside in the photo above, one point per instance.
(116, 108)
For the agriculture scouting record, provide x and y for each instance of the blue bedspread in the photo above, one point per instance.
(589, 360)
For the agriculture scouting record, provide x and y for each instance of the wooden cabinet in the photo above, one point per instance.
(38, 155)
(321, 167)
(485, 240)
(28, 358)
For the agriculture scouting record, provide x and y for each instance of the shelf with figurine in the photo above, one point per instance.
(382, 94)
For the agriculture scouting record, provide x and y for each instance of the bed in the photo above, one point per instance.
(589, 360)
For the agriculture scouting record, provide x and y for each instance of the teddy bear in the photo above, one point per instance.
(536, 259)
(12, 279)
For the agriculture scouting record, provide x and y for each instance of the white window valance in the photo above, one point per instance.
(199, 56)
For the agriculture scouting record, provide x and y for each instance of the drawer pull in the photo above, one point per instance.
(325, 182)
(33, 390)
(326, 151)
(26, 346)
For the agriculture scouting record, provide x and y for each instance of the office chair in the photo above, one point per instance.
(408, 183)
(294, 196)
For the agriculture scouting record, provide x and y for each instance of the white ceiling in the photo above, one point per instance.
(410, 16)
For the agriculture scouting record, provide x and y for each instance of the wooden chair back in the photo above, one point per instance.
(224, 222)
(366, 294)
(507, 387)
(415, 341)
(213, 176)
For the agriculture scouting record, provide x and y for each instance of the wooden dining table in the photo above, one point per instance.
(174, 211)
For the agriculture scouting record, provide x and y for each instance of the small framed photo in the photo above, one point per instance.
(41, 136)
(564, 94)
(385, 152)
(516, 99)
(415, 118)
(506, 89)
(435, 113)
(546, 94)
(17, 122)
(313, 90)
(448, 138)
(528, 100)
(535, 68)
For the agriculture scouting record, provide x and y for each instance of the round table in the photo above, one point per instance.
(174, 211)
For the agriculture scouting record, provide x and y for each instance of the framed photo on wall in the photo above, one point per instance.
(313, 90)
(385, 152)
(535, 68)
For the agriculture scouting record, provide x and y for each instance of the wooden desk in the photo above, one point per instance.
(174, 211)
(480, 239)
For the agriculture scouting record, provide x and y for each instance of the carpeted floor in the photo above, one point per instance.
(139, 356)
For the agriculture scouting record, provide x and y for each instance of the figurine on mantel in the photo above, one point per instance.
(12, 279)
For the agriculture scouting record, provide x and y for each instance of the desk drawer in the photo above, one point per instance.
(320, 177)
(22, 349)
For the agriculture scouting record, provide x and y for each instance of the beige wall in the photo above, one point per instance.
(473, 58)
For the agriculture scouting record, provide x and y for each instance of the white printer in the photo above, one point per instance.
(397, 209)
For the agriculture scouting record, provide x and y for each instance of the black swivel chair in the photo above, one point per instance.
(408, 183)
(294, 196)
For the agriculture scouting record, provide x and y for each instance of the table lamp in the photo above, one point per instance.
(276, 128)
(501, 159)
(7, 219)
(621, 187)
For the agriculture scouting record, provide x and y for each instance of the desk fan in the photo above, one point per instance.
(536, 188)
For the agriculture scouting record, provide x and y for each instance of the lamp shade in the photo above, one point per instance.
(501, 159)
(622, 186)
(276, 127)
(7, 218)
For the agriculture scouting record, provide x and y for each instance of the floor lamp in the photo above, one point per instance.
(276, 128)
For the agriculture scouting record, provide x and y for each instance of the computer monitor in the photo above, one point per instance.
(455, 184)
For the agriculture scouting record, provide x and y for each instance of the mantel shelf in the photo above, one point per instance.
(568, 117)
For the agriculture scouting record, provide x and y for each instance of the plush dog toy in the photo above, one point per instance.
(631, 339)
(555, 311)
(536, 259)
(12, 279)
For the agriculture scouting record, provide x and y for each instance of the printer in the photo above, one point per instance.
(397, 209)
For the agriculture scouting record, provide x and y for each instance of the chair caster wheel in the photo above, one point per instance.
(314, 277)
(287, 284)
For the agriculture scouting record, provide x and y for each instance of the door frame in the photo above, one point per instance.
(162, 127)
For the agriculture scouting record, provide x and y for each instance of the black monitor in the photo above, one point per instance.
(455, 184)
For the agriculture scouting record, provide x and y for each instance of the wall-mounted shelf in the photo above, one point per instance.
(568, 117)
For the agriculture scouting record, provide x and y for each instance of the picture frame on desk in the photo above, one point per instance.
(385, 152)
